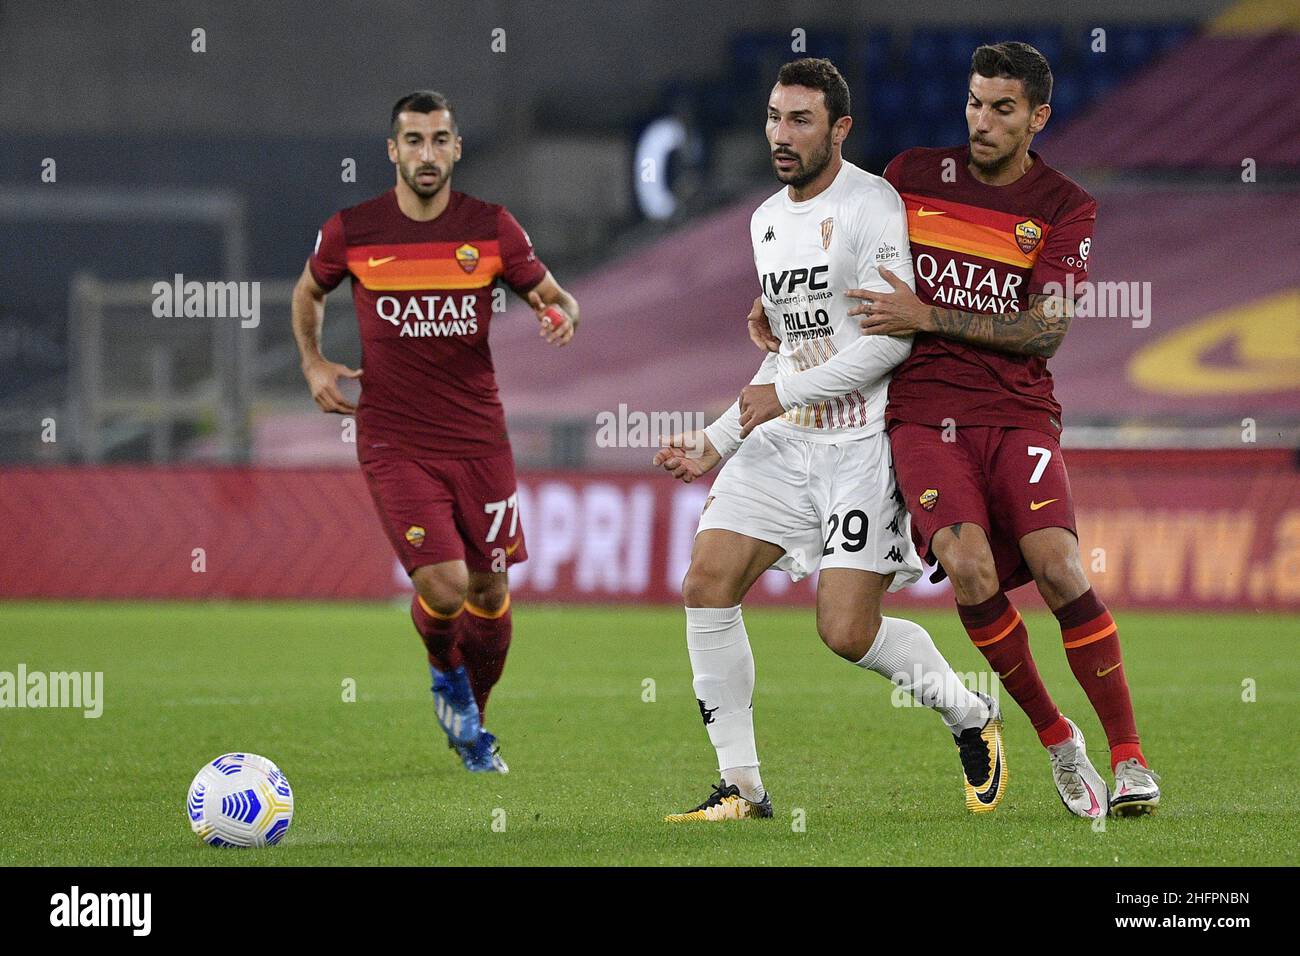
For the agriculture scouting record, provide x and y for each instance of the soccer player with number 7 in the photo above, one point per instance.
(998, 240)
(431, 433)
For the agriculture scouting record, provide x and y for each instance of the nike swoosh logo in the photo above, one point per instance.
(1092, 810)
(990, 792)
(372, 262)
(1035, 505)
(930, 212)
(513, 548)
(1010, 672)
(1103, 673)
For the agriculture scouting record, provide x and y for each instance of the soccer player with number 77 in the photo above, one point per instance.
(431, 433)
(999, 240)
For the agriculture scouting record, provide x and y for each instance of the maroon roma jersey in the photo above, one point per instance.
(981, 248)
(423, 297)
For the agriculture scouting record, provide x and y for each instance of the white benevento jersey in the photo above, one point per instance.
(832, 379)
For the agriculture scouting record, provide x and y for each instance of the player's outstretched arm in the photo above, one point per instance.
(1037, 330)
(322, 375)
(557, 311)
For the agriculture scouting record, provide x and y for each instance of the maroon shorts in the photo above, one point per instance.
(1009, 481)
(449, 509)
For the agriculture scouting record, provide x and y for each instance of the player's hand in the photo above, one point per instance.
(322, 378)
(687, 456)
(760, 332)
(758, 404)
(554, 334)
(898, 313)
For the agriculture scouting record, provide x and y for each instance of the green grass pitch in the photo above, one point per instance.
(594, 765)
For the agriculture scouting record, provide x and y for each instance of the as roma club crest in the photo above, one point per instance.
(415, 535)
(1028, 236)
(929, 498)
(827, 226)
(467, 256)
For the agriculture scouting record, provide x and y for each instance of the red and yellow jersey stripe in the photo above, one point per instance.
(971, 230)
(409, 267)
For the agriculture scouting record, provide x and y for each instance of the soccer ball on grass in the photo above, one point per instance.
(240, 800)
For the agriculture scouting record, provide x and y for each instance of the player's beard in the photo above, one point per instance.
(805, 172)
(441, 178)
(991, 167)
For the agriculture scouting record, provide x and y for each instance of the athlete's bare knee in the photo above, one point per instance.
(1060, 579)
(970, 566)
(849, 637)
(488, 592)
(442, 586)
(708, 584)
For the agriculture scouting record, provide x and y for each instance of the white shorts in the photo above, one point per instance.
(826, 505)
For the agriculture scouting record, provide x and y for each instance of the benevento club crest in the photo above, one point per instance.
(467, 256)
(827, 226)
(1028, 236)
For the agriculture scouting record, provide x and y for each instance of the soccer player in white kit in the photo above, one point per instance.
(814, 489)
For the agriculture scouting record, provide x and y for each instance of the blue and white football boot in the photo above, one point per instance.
(454, 703)
(483, 755)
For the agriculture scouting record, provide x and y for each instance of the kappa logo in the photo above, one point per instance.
(770, 234)
(706, 712)
(415, 535)
(467, 256)
(828, 226)
(1028, 235)
(929, 498)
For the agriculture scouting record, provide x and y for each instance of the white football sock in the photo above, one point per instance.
(723, 666)
(904, 653)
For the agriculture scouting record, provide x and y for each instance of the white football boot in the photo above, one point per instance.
(1135, 792)
(1082, 789)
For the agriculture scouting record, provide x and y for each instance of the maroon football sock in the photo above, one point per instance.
(996, 629)
(441, 634)
(1092, 646)
(484, 648)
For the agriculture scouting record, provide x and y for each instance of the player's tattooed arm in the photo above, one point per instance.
(1038, 330)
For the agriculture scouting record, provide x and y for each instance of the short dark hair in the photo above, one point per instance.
(421, 101)
(818, 74)
(1015, 61)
